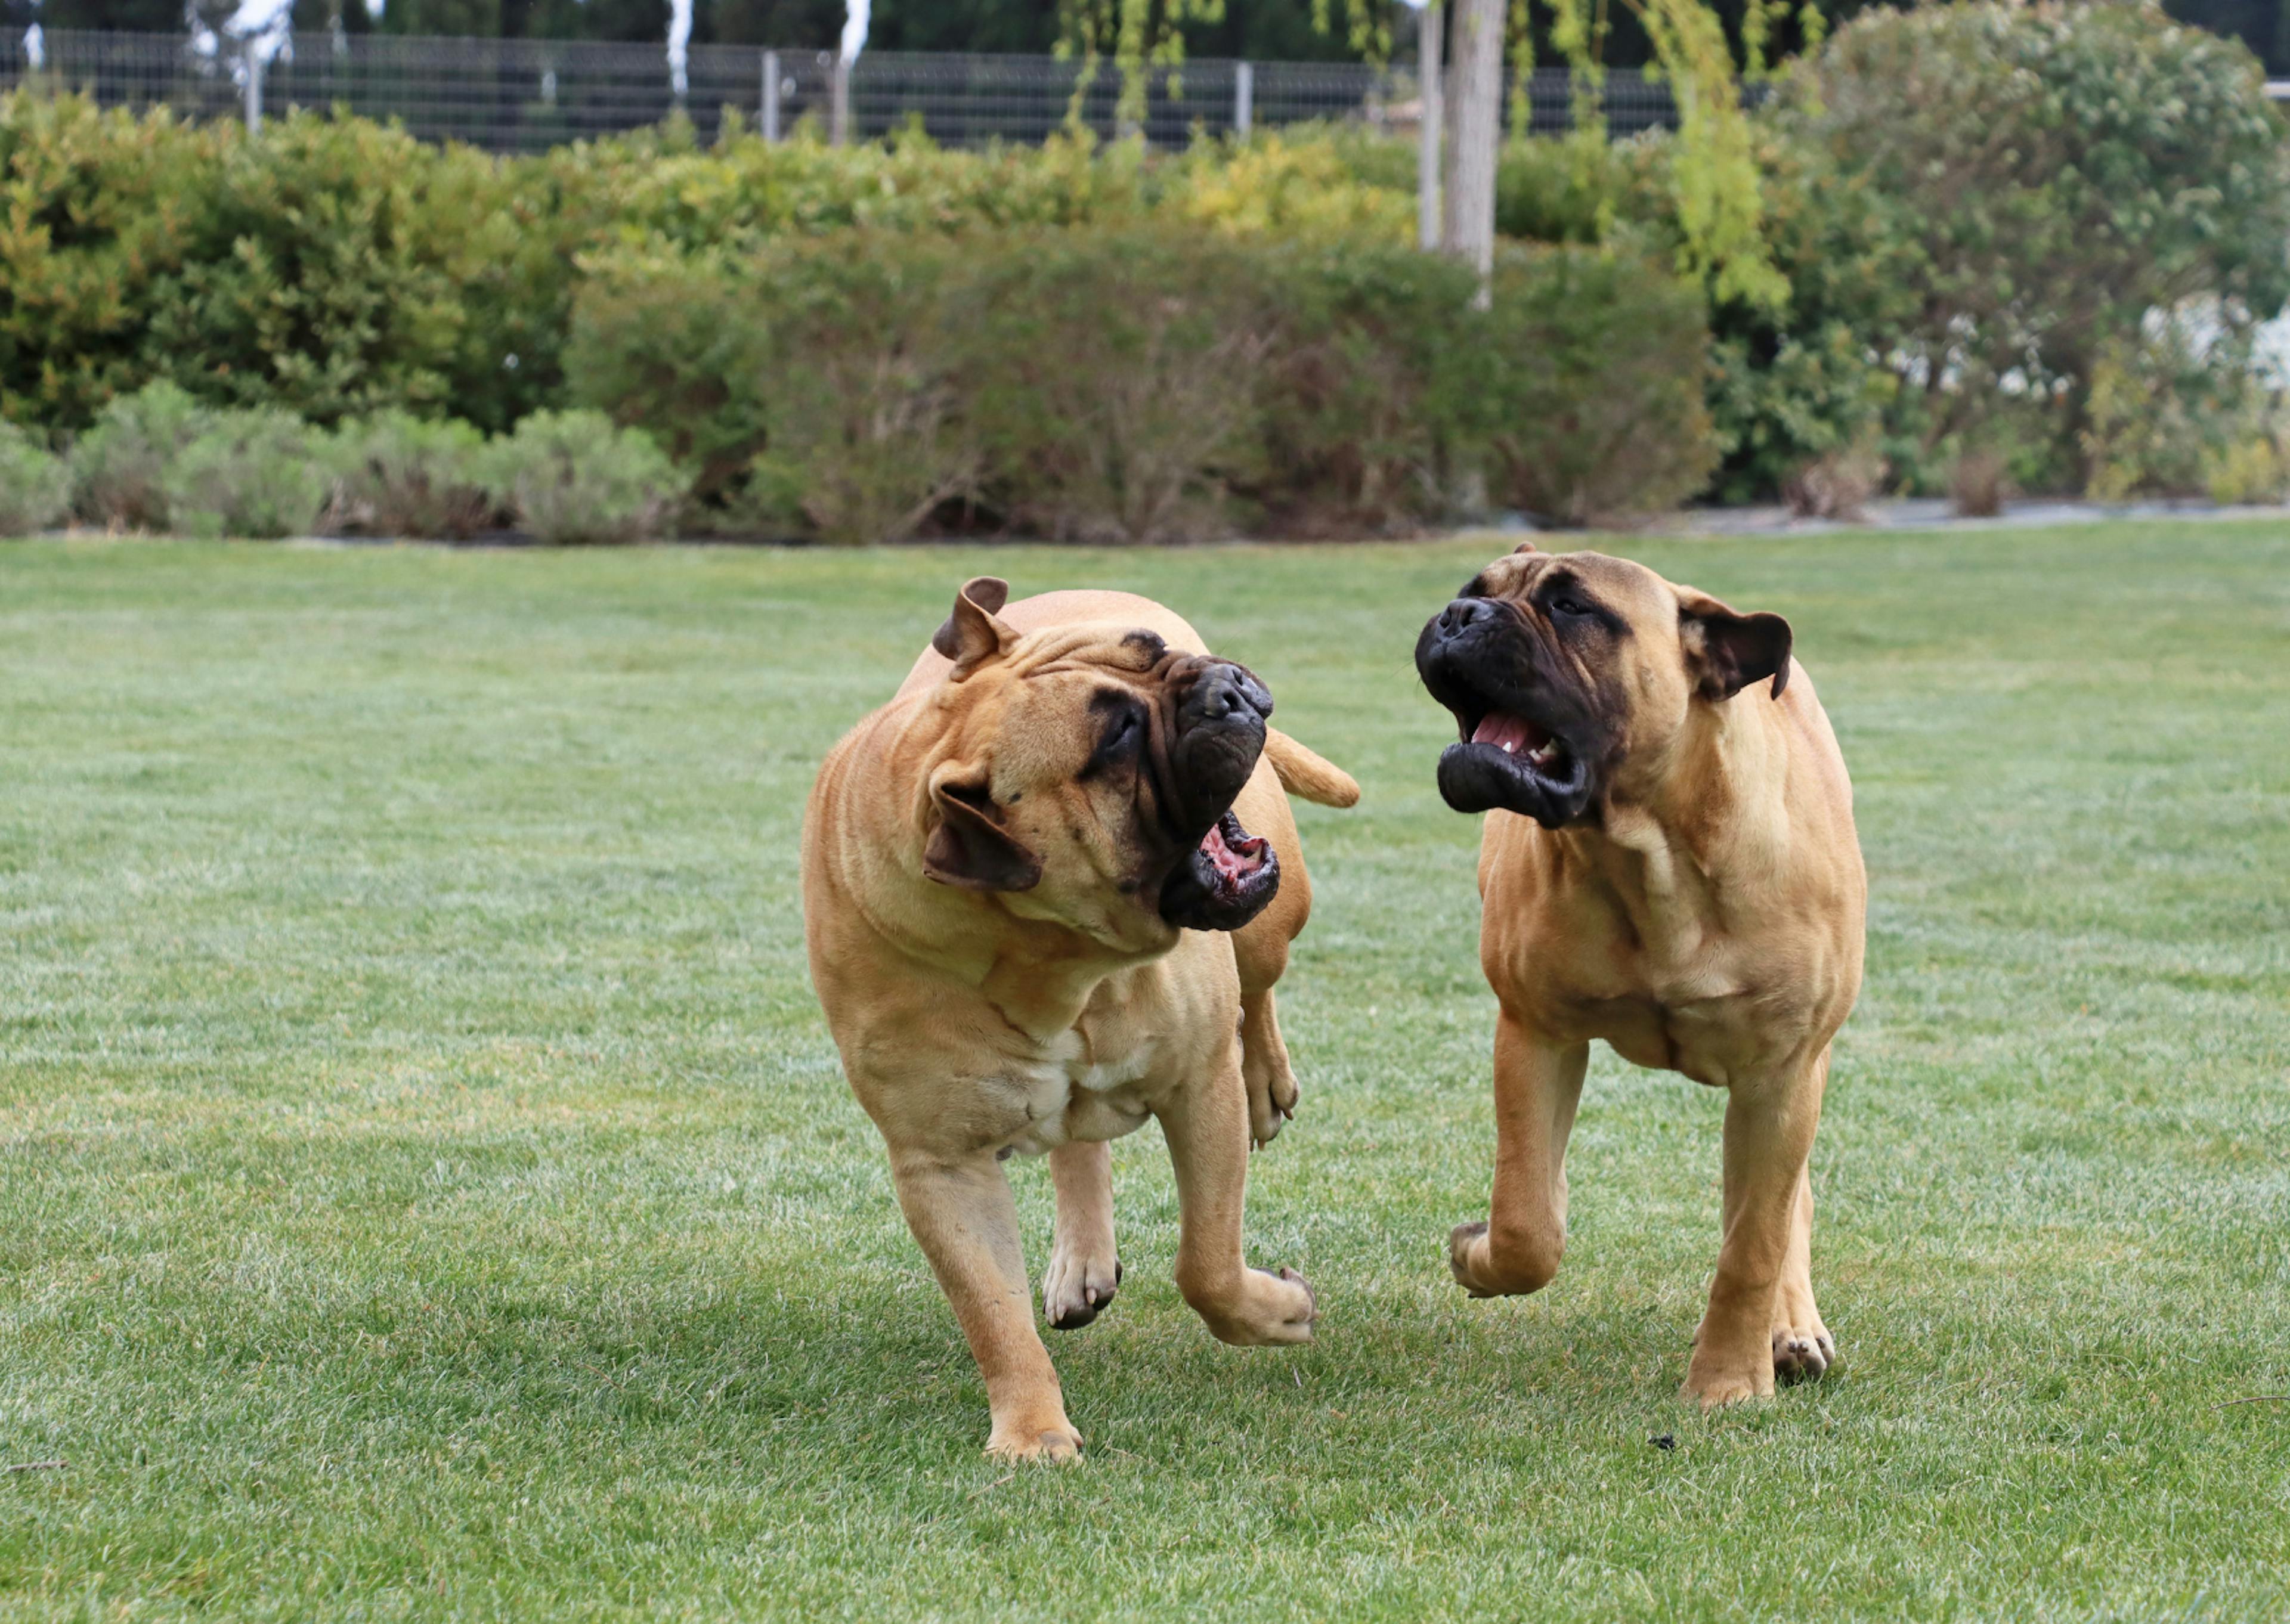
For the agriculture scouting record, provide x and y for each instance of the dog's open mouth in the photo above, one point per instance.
(1507, 759)
(1518, 736)
(1224, 881)
(1238, 856)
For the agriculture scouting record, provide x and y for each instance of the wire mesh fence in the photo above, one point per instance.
(524, 95)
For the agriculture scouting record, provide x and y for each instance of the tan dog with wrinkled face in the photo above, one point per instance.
(1047, 891)
(1669, 864)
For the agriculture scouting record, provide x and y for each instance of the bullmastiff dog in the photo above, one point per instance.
(1669, 864)
(1047, 891)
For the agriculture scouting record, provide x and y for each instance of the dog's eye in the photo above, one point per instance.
(1562, 604)
(1120, 740)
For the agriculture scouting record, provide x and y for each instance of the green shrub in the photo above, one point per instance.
(1565, 188)
(1786, 402)
(1359, 394)
(313, 284)
(1992, 199)
(1116, 380)
(679, 345)
(1281, 185)
(866, 432)
(101, 211)
(1078, 340)
(261, 474)
(573, 477)
(1583, 381)
(404, 475)
(119, 467)
(34, 484)
(2252, 468)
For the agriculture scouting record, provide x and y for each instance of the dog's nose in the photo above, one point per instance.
(1464, 611)
(1225, 692)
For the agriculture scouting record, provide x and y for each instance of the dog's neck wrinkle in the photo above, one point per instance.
(1041, 988)
(1037, 977)
(1657, 854)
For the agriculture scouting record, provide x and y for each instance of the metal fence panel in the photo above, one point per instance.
(526, 95)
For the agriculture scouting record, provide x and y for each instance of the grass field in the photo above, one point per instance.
(426, 1189)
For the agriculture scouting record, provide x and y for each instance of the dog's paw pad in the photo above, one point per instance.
(1074, 1292)
(1459, 1256)
(1802, 1356)
(1049, 1445)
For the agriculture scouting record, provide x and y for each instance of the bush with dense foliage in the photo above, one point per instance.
(865, 431)
(2025, 247)
(573, 477)
(1152, 383)
(1117, 399)
(259, 474)
(404, 475)
(100, 212)
(1366, 396)
(1998, 206)
(680, 344)
(119, 467)
(34, 484)
(1588, 388)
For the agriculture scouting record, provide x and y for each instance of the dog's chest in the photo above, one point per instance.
(1083, 1085)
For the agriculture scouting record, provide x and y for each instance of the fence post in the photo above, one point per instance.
(1427, 133)
(770, 95)
(1244, 99)
(252, 61)
(839, 127)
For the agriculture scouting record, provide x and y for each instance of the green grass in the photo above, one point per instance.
(427, 1189)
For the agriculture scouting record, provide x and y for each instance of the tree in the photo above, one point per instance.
(1473, 98)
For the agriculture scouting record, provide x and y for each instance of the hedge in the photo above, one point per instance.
(2026, 246)
(1148, 383)
(1145, 384)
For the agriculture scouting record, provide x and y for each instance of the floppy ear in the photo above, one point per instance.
(975, 633)
(1726, 652)
(969, 848)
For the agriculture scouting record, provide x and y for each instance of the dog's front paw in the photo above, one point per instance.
(1480, 1270)
(1053, 1444)
(1712, 1381)
(1262, 1309)
(1079, 1285)
(1466, 1247)
(1802, 1353)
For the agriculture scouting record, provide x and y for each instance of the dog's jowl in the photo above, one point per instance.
(1047, 891)
(1669, 864)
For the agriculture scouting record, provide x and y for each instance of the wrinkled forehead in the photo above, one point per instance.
(1617, 583)
(1100, 648)
(1038, 712)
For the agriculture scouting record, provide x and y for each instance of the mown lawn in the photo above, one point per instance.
(427, 1189)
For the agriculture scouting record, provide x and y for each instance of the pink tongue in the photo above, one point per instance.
(1515, 732)
(1230, 863)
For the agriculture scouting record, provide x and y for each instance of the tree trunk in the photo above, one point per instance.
(1474, 98)
(1431, 24)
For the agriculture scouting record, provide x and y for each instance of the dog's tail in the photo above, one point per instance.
(1303, 772)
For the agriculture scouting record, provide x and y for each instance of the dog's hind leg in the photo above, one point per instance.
(1538, 1085)
(1260, 951)
(1272, 1091)
(1084, 1269)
